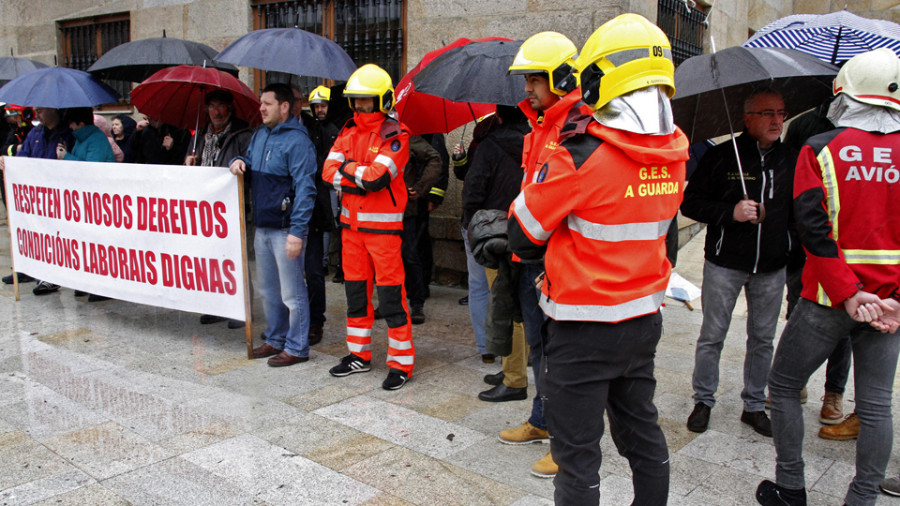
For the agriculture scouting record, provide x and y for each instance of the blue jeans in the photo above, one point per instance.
(721, 287)
(283, 290)
(479, 292)
(315, 276)
(811, 334)
(533, 319)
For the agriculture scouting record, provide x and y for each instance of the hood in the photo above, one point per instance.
(369, 121)
(129, 125)
(86, 131)
(291, 124)
(510, 139)
(645, 148)
(101, 123)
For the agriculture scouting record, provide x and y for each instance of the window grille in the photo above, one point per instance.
(684, 25)
(85, 40)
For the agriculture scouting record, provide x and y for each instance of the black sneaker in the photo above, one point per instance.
(376, 313)
(464, 301)
(349, 365)
(43, 288)
(23, 278)
(698, 421)
(770, 494)
(207, 319)
(417, 315)
(759, 421)
(395, 380)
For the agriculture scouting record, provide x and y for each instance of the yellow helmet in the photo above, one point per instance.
(370, 80)
(625, 54)
(872, 78)
(319, 95)
(551, 53)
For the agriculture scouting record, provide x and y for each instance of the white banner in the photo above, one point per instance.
(162, 235)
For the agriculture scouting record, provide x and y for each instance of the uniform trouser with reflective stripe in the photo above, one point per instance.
(592, 367)
(366, 256)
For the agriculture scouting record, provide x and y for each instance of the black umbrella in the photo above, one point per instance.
(475, 72)
(137, 60)
(290, 50)
(711, 88)
(11, 67)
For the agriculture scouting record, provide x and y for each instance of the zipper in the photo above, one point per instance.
(762, 198)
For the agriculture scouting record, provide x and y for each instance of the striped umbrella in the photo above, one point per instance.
(834, 37)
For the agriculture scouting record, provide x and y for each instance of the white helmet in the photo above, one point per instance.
(872, 78)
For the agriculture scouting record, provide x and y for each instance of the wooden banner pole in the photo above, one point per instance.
(248, 322)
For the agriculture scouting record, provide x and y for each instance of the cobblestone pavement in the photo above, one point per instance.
(118, 403)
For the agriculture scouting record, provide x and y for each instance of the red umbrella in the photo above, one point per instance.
(425, 114)
(175, 95)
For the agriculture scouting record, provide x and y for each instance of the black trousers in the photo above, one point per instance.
(592, 367)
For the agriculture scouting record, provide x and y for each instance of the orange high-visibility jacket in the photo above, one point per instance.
(603, 212)
(542, 141)
(366, 163)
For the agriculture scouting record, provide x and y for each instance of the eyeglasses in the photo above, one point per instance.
(769, 114)
(213, 106)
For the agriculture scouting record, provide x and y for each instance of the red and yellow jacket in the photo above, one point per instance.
(366, 164)
(846, 195)
(602, 212)
(543, 139)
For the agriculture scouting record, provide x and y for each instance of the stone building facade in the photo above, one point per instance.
(31, 28)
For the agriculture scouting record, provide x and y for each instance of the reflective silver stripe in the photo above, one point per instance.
(359, 174)
(380, 217)
(880, 257)
(355, 331)
(628, 55)
(345, 212)
(338, 177)
(401, 359)
(584, 312)
(358, 348)
(334, 155)
(399, 345)
(386, 160)
(646, 231)
(532, 226)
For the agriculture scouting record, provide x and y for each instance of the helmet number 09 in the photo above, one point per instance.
(657, 51)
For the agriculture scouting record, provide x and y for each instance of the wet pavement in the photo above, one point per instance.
(119, 403)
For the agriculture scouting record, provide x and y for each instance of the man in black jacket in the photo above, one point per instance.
(747, 248)
(223, 139)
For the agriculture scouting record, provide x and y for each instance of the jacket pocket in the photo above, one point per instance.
(273, 200)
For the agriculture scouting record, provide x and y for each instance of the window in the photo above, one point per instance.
(685, 24)
(371, 31)
(85, 40)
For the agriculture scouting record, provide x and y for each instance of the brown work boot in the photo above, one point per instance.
(832, 409)
(525, 434)
(844, 431)
(545, 468)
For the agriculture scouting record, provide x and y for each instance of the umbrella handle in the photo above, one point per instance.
(197, 123)
(760, 211)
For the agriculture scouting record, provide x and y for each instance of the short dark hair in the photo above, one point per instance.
(219, 95)
(282, 93)
(79, 115)
(760, 92)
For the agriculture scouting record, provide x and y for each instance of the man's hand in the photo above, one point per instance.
(238, 167)
(864, 306)
(432, 206)
(190, 160)
(413, 195)
(142, 124)
(889, 322)
(745, 210)
(459, 152)
(168, 142)
(293, 246)
(61, 151)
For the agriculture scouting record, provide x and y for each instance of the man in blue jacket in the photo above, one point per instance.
(281, 163)
(41, 142)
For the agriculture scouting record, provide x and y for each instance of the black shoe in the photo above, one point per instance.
(427, 291)
(770, 494)
(96, 298)
(43, 288)
(464, 301)
(236, 324)
(338, 277)
(79, 293)
(417, 315)
(698, 421)
(488, 358)
(759, 421)
(349, 365)
(377, 314)
(23, 278)
(502, 393)
(395, 380)
(206, 319)
(494, 379)
(315, 334)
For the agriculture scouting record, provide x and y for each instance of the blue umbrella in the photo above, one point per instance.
(833, 38)
(57, 88)
(290, 50)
